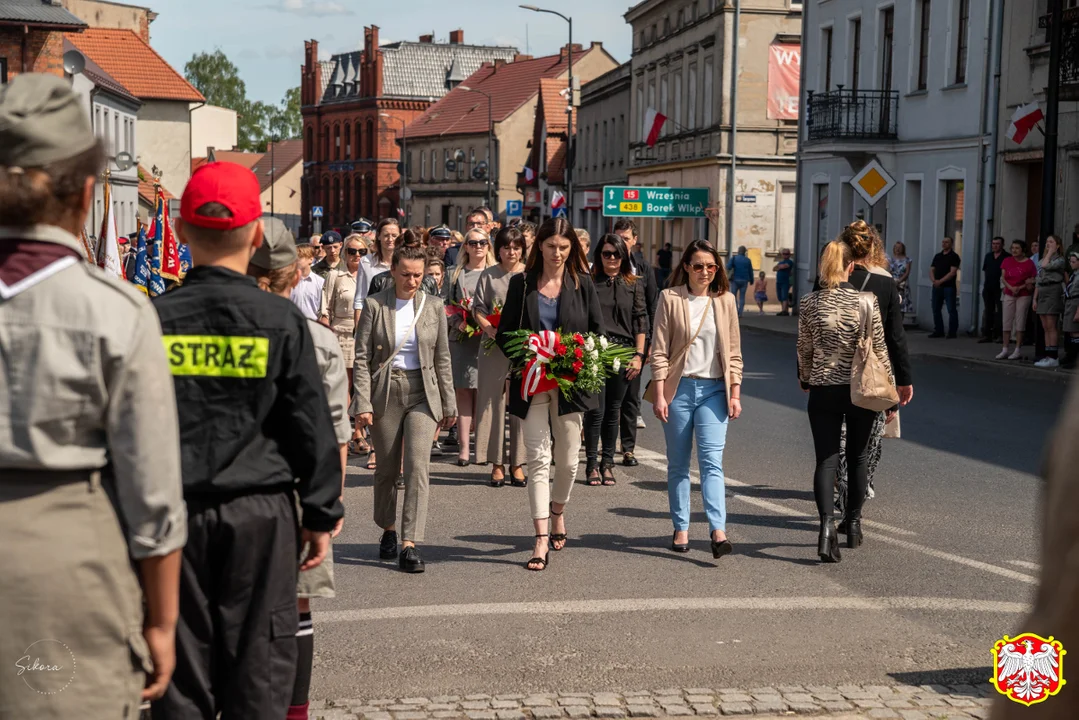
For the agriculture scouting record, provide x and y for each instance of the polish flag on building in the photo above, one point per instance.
(529, 174)
(653, 123)
(1023, 121)
(558, 204)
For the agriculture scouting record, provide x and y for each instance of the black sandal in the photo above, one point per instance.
(518, 481)
(608, 480)
(541, 561)
(558, 537)
(589, 479)
(372, 461)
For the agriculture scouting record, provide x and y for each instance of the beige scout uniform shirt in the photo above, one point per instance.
(334, 379)
(84, 384)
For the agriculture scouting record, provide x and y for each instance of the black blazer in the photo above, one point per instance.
(891, 313)
(578, 311)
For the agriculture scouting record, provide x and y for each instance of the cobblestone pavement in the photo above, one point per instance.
(902, 702)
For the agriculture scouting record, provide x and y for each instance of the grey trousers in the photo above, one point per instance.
(406, 428)
(491, 425)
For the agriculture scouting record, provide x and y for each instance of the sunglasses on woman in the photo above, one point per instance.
(476, 243)
(702, 267)
(611, 255)
(357, 251)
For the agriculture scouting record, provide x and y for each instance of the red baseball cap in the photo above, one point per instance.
(229, 184)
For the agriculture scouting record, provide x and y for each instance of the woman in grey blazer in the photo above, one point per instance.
(403, 390)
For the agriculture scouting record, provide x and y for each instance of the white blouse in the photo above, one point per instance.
(370, 265)
(702, 360)
(409, 357)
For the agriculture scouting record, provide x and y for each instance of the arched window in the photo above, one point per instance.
(348, 142)
(358, 146)
(357, 192)
(335, 202)
(346, 206)
(370, 140)
(325, 143)
(336, 142)
(309, 146)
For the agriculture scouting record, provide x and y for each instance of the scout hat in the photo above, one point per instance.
(228, 184)
(41, 122)
(278, 248)
(331, 237)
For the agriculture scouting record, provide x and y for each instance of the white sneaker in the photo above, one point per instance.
(1047, 362)
(1015, 355)
(1003, 354)
(640, 422)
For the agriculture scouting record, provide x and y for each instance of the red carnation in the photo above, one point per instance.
(561, 349)
(579, 339)
(578, 353)
(577, 366)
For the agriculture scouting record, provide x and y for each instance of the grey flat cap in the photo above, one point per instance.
(278, 247)
(42, 121)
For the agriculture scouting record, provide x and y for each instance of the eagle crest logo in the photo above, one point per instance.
(1028, 668)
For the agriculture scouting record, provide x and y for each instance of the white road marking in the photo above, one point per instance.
(1027, 565)
(603, 606)
(658, 462)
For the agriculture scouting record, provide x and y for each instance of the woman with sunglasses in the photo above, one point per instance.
(697, 371)
(475, 257)
(337, 314)
(625, 316)
(494, 368)
(553, 293)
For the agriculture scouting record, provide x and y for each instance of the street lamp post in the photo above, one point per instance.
(272, 174)
(490, 128)
(571, 156)
(404, 154)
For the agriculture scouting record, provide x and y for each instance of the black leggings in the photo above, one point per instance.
(603, 421)
(829, 405)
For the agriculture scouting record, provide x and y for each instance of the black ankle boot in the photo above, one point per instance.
(854, 532)
(828, 542)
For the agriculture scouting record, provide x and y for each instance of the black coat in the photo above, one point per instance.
(385, 280)
(578, 311)
(891, 313)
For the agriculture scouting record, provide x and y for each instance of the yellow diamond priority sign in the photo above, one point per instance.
(873, 182)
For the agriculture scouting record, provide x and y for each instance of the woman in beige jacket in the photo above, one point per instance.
(697, 371)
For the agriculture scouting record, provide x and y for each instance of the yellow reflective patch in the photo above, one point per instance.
(217, 355)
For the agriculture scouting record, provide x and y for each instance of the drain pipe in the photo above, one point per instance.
(734, 129)
(987, 166)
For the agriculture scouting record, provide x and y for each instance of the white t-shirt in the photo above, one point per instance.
(702, 360)
(409, 357)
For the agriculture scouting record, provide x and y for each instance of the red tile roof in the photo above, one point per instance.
(286, 153)
(247, 159)
(134, 64)
(551, 111)
(510, 86)
(146, 188)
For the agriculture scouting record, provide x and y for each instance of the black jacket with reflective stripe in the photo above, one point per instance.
(253, 413)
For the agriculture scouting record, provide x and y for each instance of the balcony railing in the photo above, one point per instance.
(853, 114)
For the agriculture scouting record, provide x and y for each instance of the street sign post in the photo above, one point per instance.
(316, 211)
(514, 208)
(873, 182)
(658, 202)
(316, 219)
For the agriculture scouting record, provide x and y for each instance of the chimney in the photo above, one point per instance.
(578, 50)
(521, 56)
(499, 62)
(457, 37)
(427, 38)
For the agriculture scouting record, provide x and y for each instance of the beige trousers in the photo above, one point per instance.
(542, 420)
(491, 426)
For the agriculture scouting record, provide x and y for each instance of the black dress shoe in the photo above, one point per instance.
(628, 460)
(721, 548)
(411, 562)
(828, 542)
(387, 546)
(679, 547)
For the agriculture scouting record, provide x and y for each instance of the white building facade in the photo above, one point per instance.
(902, 83)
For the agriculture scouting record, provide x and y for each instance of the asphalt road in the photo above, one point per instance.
(948, 566)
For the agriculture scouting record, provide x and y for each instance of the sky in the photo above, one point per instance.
(264, 38)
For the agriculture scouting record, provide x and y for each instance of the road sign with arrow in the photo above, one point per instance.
(661, 202)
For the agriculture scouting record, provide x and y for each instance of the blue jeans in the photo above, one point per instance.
(945, 296)
(699, 408)
(738, 287)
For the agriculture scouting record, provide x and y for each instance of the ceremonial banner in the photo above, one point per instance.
(784, 71)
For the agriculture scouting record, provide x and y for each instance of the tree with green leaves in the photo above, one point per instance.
(218, 79)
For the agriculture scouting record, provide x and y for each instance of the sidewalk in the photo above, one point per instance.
(964, 349)
(845, 702)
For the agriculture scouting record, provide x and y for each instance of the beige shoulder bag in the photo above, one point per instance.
(871, 384)
(650, 388)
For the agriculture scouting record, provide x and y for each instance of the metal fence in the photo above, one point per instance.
(853, 114)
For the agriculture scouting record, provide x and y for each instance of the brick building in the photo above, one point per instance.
(32, 37)
(354, 106)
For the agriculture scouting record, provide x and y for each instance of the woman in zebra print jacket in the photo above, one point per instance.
(829, 325)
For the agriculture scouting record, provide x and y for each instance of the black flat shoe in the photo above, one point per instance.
(828, 542)
(721, 548)
(679, 547)
(411, 562)
(387, 546)
(628, 460)
(854, 533)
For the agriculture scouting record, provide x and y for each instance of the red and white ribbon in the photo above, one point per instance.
(543, 345)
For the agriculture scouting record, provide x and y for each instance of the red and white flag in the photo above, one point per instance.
(1023, 121)
(653, 123)
(558, 202)
(529, 174)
